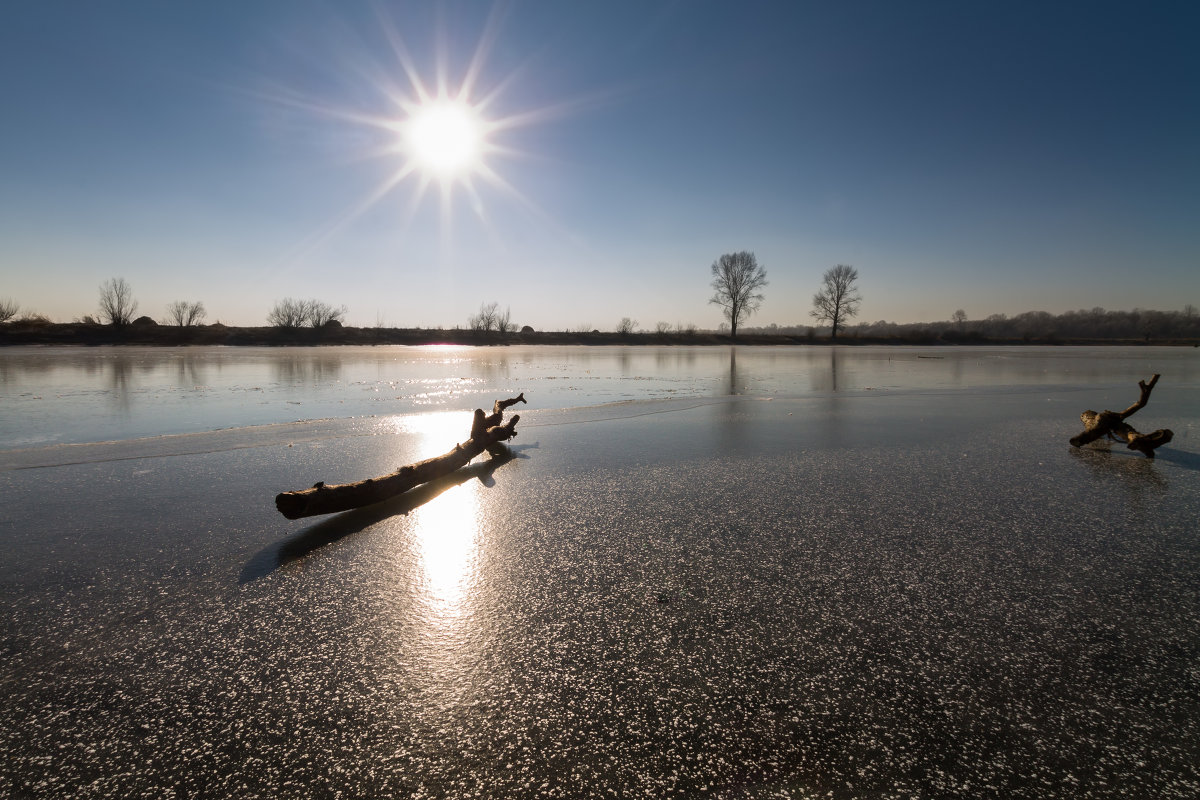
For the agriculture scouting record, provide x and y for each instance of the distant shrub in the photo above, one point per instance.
(490, 318)
(320, 314)
(288, 313)
(34, 318)
(185, 314)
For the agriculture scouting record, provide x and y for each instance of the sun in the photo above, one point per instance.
(448, 132)
(445, 139)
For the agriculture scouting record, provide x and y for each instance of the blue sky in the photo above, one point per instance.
(998, 157)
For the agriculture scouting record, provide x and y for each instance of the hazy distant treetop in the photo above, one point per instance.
(737, 280)
(8, 309)
(117, 305)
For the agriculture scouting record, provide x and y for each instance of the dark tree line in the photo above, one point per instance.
(1085, 324)
(1095, 323)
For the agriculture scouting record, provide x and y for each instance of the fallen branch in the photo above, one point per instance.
(1112, 424)
(487, 433)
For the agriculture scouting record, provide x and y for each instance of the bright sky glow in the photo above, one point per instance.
(582, 162)
(445, 138)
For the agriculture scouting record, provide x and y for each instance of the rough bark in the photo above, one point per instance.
(1113, 425)
(487, 432)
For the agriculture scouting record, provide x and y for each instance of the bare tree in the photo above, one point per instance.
(185, 314)
(626, 326)
(288, 313)
(318, 313)
(839, 298)
(959, 318)
(8, 309)
(662, 328)
(488, 318)
(117, 305)
(737, 279)
(504, 322)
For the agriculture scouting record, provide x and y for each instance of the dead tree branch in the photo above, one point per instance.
(1112, 424)
(487, 431)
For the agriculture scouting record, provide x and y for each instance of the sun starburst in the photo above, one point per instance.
(430, 132)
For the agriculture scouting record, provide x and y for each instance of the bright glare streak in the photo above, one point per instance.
(445, 138)
(447, 528)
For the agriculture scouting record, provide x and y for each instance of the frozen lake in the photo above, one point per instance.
(769, 572)
(53, 395)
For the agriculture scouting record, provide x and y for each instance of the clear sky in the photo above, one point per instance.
(994, 157)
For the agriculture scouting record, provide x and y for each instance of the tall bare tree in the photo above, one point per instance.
(8, 308)
(117, 305)
(839, 298)
(737, 281)
(185, 314)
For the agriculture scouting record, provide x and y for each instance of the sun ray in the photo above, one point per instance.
(487, 39)
(342, 220)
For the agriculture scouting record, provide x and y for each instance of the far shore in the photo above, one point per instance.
(50, 333)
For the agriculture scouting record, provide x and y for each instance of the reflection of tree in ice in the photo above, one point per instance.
(190, 371)
(297, 370)
(119, 371)
(733, 387)
(826, 380)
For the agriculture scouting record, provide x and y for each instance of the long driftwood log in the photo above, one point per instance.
(487, 432)
(1113, 425)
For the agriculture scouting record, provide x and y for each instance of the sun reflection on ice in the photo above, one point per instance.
(447, 533)
(447, 526)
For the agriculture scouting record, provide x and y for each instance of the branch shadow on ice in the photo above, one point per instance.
(1180, 459)
(1134, 471)
(1104, 456)
(339, 526)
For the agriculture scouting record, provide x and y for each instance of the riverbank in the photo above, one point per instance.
(77, 333)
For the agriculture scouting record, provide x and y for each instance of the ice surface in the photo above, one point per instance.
(795, 591)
